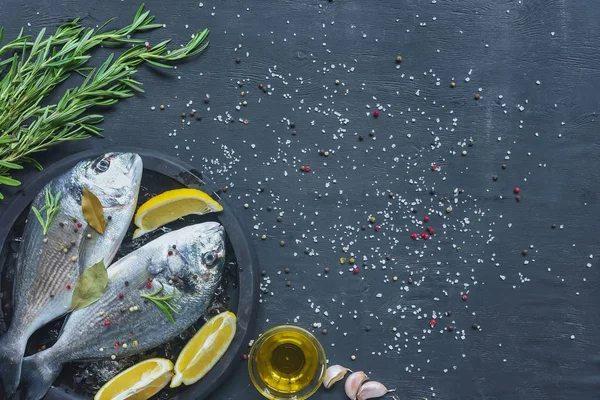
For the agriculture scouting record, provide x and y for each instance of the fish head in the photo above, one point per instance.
(113, 177)
(201, 251)
(211, 247)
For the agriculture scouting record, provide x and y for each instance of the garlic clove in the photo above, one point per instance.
(353, 384)
(372, 390)
(334, 374)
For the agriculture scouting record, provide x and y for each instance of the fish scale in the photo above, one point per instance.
(193, 271)
(43, 271)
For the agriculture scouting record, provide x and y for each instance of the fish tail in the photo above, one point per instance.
(39, 372)
(12, 348)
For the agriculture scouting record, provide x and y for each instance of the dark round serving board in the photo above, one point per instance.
(242, 293)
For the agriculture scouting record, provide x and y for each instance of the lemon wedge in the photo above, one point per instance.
(204, 350)
(139, 382)
(170, 206)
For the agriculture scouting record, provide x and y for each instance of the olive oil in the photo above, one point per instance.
(287, 362)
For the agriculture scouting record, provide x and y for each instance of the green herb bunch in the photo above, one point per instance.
(30, 69)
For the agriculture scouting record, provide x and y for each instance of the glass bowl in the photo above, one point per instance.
(287, 362)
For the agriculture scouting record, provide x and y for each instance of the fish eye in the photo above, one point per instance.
(209, 258)
(102, 165)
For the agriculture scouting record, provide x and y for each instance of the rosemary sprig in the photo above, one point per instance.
(51, 207)
(32, 68)
(163, 303)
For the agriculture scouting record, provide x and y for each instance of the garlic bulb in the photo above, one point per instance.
(372, 390)
(353, 384)
(334, 374)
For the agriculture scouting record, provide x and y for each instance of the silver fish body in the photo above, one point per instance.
(49, 265)
(187, 263)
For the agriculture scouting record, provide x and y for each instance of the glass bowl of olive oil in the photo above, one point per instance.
(287, 362)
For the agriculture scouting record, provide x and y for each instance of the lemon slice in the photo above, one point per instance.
(204, 350)
(172, 205)
(139, 382)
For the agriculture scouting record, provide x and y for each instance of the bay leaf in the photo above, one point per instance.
(90, 287)
(93, 211)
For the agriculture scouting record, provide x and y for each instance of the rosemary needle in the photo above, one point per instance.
(30, 69)
(51, 207)
(163, 303)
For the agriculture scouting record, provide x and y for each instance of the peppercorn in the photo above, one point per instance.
(395, 278)
(337, 81)
(326, 270)
(361, 138)
(302, 168)
(376, 113)
(294, 133)
(355, 270)
(391, 194)
(326, 154)
(524, 252)
(287, 270)
(476, 327)
(367, 328)
(464, 297)
(553, 226)
(364, 227)
(450, 328)
(371, 219)
(198, 118)
(477, 96)
(289, 283)
(398, 59)
(351, 260)
(162, 107)
(269, 208)
(279, 218)
(372, 133)
(263, 237)
(126, 283)
(409, 281)
(238, 60)
(495, 177)
(442, 198)
(342, 260)
(452, 84)
(292, 125)
(206, 100)
(260, 85)
(324, 331)
(503, 166)
(192, 113)
(518, 198)
(183, 115)
(244, 103)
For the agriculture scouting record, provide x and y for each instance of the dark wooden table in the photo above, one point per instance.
(528, 328)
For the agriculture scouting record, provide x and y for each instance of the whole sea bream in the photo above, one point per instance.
(48, 266)
(187, 263)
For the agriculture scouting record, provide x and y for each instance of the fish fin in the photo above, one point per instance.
(12, 348)
(39, 372)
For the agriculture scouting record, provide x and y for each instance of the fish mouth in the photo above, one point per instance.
(135, 163)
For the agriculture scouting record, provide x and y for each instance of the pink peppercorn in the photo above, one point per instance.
(376, 113)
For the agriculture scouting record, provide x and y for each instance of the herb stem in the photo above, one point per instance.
(164, 303)
(30, 69)
(51, 207)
